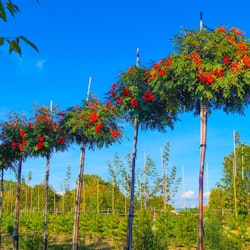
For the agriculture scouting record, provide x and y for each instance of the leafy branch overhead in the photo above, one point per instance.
(7, 6)
(14, 42)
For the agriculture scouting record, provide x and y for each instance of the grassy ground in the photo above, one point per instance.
(63, 242)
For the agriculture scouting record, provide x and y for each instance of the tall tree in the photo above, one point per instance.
(68, 195)
(217, 201)
(6, 162)
(91, 125)
(149, 178)
(211, 70)
(114, 170)
(241, 174)
(30, 189)
(140, 107)
(168, 184)
(46, 137)
(14, 135)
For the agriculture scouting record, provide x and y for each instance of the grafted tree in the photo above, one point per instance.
(90, 125)
(14, 135)
(140, 107)
(6, 162)
(45, 138)
(210, 70)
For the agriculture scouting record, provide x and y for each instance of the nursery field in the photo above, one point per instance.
(152, 230)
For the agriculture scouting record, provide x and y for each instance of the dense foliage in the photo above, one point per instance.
(211, 67)
(132, 94)
(93, 123)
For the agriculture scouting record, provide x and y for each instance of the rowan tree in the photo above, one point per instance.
(210, 70)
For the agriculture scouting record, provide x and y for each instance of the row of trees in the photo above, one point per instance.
(153, 189)
(50, 131)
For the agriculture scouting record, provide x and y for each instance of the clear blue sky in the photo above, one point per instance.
(78, 39)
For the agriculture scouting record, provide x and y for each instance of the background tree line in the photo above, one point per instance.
(153, 189)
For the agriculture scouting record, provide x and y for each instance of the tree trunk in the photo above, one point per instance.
(132, 187)
(17, 205)
(46, 203)
(203, 141)
(1, 205)
(78, 199)
(113, 198)
(97, 197)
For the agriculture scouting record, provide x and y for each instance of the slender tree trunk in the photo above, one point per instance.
(17, 205)
(113, 198)
(132, 189)
(1, 206)
(97, 197)
(38, 199)
(78, 199)
(46, 203)
(235, 196)
(203, 141)
(31, 200)
(125, 198)
(84, 199)
(234, 178)
(26, 199)
(54, 201)
(11, 196)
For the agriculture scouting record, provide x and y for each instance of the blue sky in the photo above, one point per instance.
(78, 39)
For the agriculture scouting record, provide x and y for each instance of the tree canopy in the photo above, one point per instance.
(208, 67)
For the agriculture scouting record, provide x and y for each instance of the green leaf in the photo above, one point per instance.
(12, 8)
(29, 43)
(2, 12)
(14, 46)
(1, 41)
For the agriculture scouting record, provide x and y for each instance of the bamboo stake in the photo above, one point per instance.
(183, 184)
(145, 184)
(207, 182)
(89, 85)
(163, 182)
(234, 176)
(51, 106)
(97, 197)
(242, 162)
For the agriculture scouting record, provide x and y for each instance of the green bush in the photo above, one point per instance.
(166, 228)
(31, 241)
(215, 236)
(144, 236)
(186, 228)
